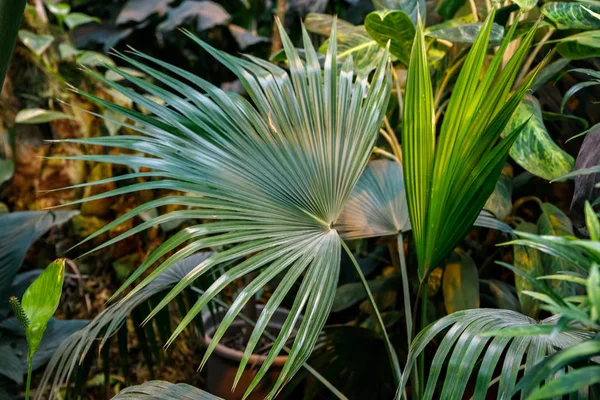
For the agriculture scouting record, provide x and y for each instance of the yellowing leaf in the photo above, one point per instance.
(460, 283)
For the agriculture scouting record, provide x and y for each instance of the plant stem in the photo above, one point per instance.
(395, 364)
(423, 325)
(29, 371)
(279, 13)
(405, 290)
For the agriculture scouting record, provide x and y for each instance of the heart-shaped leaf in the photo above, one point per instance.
(41, 300)
(413, 8)
(36, 43)
(395, 27)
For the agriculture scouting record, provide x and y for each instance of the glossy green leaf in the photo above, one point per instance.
(10, 20)
(571, 15)
(568, 383)
(500, 201)
(549, 72)
(464, 33)
(36, 43)
(447, 8)
(73, 20)
(160, 390)
(66, 50)
(59, 8)
(352, 41)
(460, 283)
(535, 150)
(580, 46)
(7, 168)
(395, 27)
(447, 184)
(413, 8)
(40, 302)
(39, 116)
(528, 260)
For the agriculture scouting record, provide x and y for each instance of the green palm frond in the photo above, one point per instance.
(74, 350)
(273, 174)
(448, 179)
(377, 206)
(519, 342)
(160, 390)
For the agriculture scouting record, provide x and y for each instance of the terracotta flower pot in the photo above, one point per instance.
(223, 364)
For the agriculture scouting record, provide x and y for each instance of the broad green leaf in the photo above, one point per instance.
(571, 15)
(580, 46)
(554, 222)
(36, 43)
(7, 168)
(500, 201)
(528, 260)
(61, 9)
(460, 283)
(570, 382)
(413, 8)
(534, 149)
(464, 33)
(41, 300)
(74, 20)
(549, 72)
(161, 390)
(94, 59)
(19, 231)
(352, 41)
(11, 365)
(395, 27)
(66, 50)
(39, 116)
(447, 8)
(526, 5)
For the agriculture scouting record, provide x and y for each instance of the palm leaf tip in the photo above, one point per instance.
(267, 177)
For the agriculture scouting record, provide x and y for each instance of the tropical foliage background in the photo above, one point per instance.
(303, 199)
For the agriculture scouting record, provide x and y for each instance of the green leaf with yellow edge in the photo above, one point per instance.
(534, 149)
(460, 283)
(528, 260)
(554, 222)
(500, 201)
(395, 27)
(40, 301)
(564, 15)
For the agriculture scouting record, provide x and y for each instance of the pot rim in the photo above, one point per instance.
(237, 355)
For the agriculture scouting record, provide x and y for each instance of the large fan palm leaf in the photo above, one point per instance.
(273, 173)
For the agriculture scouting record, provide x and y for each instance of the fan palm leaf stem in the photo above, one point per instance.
(252, 323)
(394, 363)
